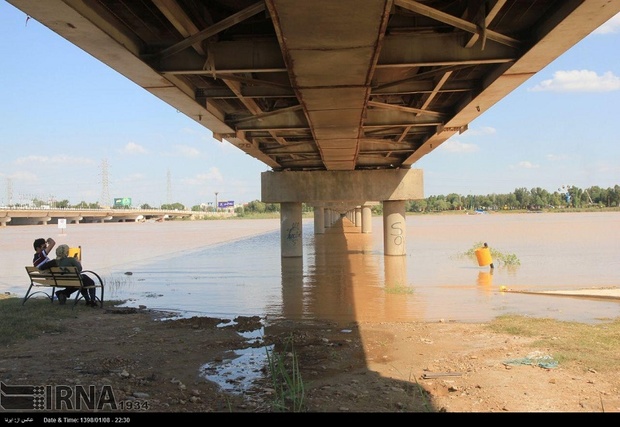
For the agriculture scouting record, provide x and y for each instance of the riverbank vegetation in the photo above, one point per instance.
(567, 199)
(572, 199)
(536, 199)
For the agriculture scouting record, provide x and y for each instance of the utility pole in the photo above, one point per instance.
(105, 193)
(216, 193)
(9, 192)
(168, 188)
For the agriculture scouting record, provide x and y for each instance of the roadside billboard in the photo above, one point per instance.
(227, 204)
(122, 202)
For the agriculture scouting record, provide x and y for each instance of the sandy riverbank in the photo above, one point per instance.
(116, 247)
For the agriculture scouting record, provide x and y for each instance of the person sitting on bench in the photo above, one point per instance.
(64, 260)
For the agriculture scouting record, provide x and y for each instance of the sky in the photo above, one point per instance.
(72, 128)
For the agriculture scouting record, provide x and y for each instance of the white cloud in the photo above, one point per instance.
(138, 176)
(187, 151)
(485, 130)
(611, 26)
(53, 160)
(525, 165)
(133, 148)
(579, 81)
(556, 157)
(455, 146)
(23, 176)
(213, 175)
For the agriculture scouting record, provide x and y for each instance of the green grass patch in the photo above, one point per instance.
(36, 317)
(399, 290)
(286, 379)
(585, 346)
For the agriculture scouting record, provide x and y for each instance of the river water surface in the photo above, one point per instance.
(343, 275)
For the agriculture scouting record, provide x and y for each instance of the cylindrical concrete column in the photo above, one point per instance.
(291, 244)
(395, 268)
(319, 220)
(358, 216)
(394, 227)
(366, 219)
(332, 217)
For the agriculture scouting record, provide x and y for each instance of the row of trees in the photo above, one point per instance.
(521, 198)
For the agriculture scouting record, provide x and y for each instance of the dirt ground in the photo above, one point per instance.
(154, 365)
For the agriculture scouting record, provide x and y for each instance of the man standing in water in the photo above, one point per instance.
(487, 246)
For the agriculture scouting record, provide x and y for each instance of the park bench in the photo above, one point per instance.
(46, 281)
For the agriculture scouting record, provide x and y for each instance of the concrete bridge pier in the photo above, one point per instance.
(394, 227)
(342, 193)
(319, 220)
(42, 220)
(291, 243)
(358, 216)
(329, 218)
(366, 219)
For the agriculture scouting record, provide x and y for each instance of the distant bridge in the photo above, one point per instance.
(38, 216)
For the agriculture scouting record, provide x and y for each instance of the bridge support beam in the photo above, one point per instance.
(341, 190)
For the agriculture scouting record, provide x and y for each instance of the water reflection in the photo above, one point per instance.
(485, 280)
(292, 286)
